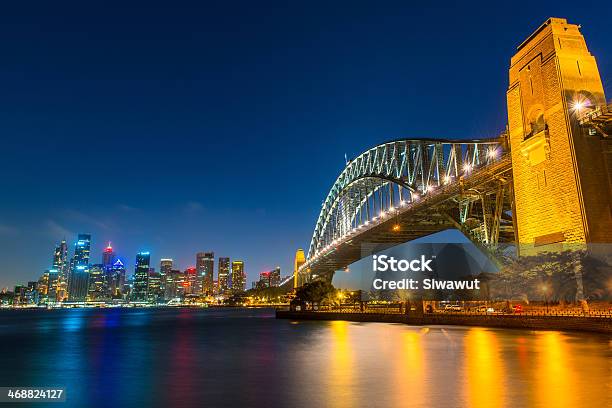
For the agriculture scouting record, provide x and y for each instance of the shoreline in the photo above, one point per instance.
(600, 325)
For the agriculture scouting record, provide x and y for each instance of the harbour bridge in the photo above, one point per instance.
(547, 180)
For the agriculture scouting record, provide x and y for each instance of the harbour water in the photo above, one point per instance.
(247, 358)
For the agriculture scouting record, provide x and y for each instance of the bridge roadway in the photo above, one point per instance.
(436, 211)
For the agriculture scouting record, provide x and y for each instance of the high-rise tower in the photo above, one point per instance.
(205, 265)
(108, 256)
(238, 276)
(223, 274)
(82, 248)
(141, 276)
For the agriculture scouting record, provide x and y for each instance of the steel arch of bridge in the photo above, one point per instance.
(393, 175)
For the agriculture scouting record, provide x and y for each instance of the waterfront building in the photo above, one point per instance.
(179, 283)
(269, 279)
(53, 284)
(223, 274)
(154, 292)
(61, 265)
(19, 295)
(108, 256)
(275, 277)
(141, 276)
(238, 276)
(264, 280)
(82, 250)
(191, 281)
(78, 284)
(165, 271)
(205, 265)
(32, 294)
(115, 278)
(97, 288)
(60, 258)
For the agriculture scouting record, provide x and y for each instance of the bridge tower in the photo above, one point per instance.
(562, 191)
(299, 260)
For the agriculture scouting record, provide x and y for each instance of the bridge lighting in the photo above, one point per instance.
(447, 179)
(579, 105)
(396, 227)
(402, 203)
(429, 188)
(391, 209)
(467, 167)
(492, 153)
(415, 197)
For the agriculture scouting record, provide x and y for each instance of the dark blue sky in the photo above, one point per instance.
(221, 125)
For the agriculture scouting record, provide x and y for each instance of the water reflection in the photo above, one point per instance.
(164, 358)
(484, 369)
(341, 370)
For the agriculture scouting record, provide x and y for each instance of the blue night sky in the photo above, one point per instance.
(220, 126)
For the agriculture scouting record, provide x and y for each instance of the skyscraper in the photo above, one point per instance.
(79, 268)
(192, 280)
(53, 285)
(223, 274)
(115, 276)
(97, 287)
(108, 256)
(60, 258)
(78, 285)
(205, 265)
(238, 276)
(141, 276)
(166, 280)
(82, 249)
(154, 290)
(275, 277)
(61, 266)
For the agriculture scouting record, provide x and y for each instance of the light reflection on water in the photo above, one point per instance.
(185, 357)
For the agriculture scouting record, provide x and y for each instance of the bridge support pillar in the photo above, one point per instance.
(560, 180)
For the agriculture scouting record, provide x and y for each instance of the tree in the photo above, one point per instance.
(314, 292)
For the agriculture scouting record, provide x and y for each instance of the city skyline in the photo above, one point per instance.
(141, 133)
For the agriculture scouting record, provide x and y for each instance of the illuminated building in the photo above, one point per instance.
(205, 265)
(60, 258)
(264, 280)
(238, 276)
(97, 288)
(53, 283)
(82, 249)
(115, 277)
(108, 256)
(141, 276)
(178, 283)
(78, 284)
(275, 277)
(79, 264)
(59, 276)
(223, 274)
(32, 294)
(300, 259)
(19, 295)
(154, 291)
(192, 281)
(269, 279)
(165, 270)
